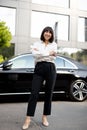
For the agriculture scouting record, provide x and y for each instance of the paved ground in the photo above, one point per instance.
(65, 116)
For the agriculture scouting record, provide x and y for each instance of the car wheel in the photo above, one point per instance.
(78, 90)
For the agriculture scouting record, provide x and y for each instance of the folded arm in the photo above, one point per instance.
(43, 53)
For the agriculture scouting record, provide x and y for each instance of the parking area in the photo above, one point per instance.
(66, 115)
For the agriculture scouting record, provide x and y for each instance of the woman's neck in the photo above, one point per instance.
(46, 42)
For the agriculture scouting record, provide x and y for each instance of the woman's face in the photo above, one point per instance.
(47, 35)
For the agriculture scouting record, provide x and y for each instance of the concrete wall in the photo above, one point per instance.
(22, 32)
(22, 37)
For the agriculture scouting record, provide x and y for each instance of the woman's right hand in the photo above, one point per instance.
(52, 53)
(35, 49)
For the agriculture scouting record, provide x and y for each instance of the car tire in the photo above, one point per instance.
(78, 90)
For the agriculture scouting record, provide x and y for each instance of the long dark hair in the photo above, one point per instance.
(45, 30)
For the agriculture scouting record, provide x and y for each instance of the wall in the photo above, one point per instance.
(22, 37)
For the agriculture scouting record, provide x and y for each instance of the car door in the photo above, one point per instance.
(18, 77)
(65, 73)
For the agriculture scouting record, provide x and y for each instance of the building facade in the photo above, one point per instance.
(28, 17)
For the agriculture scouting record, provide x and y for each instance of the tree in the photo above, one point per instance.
(5, 35)
(5, 38)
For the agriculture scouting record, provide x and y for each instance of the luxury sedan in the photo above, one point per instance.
(16, 77)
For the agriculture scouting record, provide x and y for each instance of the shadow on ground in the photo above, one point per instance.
(24, 98)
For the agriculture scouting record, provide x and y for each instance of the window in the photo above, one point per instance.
(40, 19)
(63, 63)
(23, 62)
(82, 4)
(69, 65)
(82, 29)
(59, 63)
(60, 3)
(8, 15)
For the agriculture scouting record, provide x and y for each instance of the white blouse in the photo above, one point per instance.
(42, 51)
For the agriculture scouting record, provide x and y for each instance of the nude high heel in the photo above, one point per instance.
(26, 123)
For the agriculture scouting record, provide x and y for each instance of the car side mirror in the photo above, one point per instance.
(7, 65)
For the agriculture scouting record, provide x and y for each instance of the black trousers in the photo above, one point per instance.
(43, 71)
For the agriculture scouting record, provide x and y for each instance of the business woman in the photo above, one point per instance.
(44, 52)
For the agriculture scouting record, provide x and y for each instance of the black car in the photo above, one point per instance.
(16, 77)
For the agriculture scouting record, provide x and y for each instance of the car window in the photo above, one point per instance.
(27, 61)
(68, 65)
(23, 62)
(59, 62)
(63, 63)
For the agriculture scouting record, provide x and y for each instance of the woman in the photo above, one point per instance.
(44, 53)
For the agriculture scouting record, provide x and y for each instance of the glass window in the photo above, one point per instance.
(82, 4)
(8, 15)
(59, 62)
(62, 63)
(68, 65)
(39, 20)
(82, 29)
(60, 3)
(23, 62)
(19, 63)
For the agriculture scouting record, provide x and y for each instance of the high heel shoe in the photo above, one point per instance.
(45, 122)
(26, 124)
